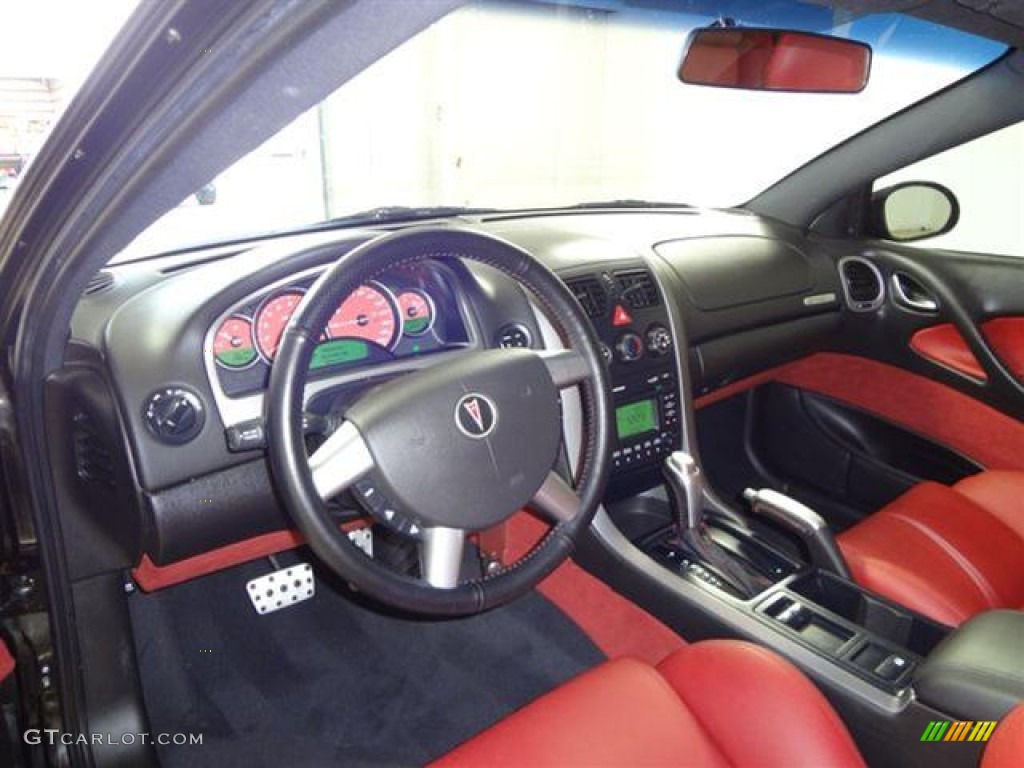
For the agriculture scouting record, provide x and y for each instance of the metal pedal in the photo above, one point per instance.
(282, 588)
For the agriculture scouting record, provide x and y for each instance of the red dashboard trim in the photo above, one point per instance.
(150, 576)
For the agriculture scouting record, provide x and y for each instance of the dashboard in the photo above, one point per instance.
(178, 350)
(411, 311)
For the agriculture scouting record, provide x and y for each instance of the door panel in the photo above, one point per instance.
(971, 341)
(963, 423)
(944, 345)
(1006, 335)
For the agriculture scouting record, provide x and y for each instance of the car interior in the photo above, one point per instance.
(615, 483)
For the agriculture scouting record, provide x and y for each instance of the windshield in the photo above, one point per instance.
(514, 105)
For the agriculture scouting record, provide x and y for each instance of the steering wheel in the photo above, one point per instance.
(458, 447)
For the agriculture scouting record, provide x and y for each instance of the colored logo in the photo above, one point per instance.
(475, 415)
(958, 730)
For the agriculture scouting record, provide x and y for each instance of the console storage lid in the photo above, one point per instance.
(977, 672)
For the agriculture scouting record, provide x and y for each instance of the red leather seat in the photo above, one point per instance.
(715, 703)
(1006, 747)
(948, 553)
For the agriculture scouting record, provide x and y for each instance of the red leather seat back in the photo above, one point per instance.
(937, 552)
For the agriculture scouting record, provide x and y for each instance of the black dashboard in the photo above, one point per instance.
(682, 301)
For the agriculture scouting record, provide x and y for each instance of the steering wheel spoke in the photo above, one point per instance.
(555, 500)
(441, 554)
(567, 367)
(342, 460)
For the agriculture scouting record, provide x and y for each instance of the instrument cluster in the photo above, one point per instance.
(411, 311)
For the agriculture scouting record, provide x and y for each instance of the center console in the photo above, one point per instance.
(629, 314)
(771, 574)
(879, 641)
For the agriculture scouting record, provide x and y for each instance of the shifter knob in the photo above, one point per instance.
(686, 482)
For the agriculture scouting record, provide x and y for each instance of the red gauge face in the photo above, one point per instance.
(233, 346)
(417, 312)
(272, 319)
(367, 314)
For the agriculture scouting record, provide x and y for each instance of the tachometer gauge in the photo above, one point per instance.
(368, 313)
(417, 310)
(271, 320)
(232, 345)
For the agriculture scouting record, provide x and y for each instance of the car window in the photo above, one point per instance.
(987, 177)
(517, 105)
(49, 48)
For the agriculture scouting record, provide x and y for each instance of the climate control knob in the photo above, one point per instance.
(659, 340)
(629, 347)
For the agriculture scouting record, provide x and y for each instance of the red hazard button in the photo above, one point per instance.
(621, 316)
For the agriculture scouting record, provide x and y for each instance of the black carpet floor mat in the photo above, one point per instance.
(330, 682)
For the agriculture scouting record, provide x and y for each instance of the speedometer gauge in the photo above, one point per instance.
(417, 310)
(368, 313)
(232, 345)
(271, 320)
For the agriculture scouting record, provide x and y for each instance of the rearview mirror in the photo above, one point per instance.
(913, 210)
(774, 60)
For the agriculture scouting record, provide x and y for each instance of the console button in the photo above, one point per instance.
(247, 436)
(890, 669)
(659, 340)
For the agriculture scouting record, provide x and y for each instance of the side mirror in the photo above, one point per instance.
(913, 210)
(774, 60)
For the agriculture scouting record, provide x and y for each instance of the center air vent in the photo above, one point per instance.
(637, 289)
(862, 284)
(591, 295)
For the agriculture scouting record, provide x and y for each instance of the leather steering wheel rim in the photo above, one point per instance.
(284, 403)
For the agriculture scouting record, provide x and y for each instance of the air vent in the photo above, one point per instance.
(591, 295)
(637, 289)
(101, 281)
(862, 284)
(94, 462)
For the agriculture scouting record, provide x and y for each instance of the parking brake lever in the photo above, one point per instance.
(805, 523)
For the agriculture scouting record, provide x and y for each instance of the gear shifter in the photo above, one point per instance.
(686, 482)
(687, 486)
(805, 523)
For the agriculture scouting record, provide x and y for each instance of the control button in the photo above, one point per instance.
(247, 436)
(606, 353)
(514, 335)
(383, 510)
(659, 340)
(892, 667)
(620, 317)
(174, 415)
(630, 347)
